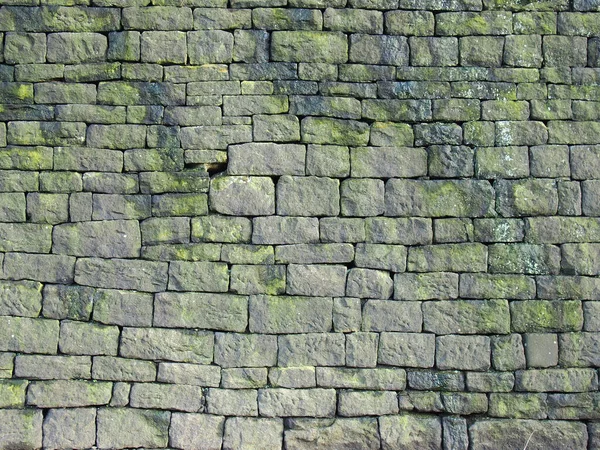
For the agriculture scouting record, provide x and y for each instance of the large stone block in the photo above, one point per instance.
(104, 239)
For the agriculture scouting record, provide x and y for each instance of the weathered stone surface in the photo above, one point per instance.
(52, 367)
(466, 317)
(463, 352)
(307, 196)
(26, 335)
(80, 338)
(183, 430)
(269, 314)
(496, 286)
(21, 427)
(279, 402)
(121, 369)
(192, 374)
(104, 239)
(410, 431)
(388, 162)
(70, 428)
(166, 396)
(546, 315)
(68, 393)
(240, 350)
(198, 310)
(380, 315)
(407, 349)
(309, 46)
(285, 230)
(248, 433)
(121, 274)
(312, 349)
(406, 231)
(425, 286)
(172, 345)
(266, 159)
(556, 380)
(126, 427)
(436, 380)
(448, 257)
(333, 433)
(439, 198)
(489, 434)
(317, 130)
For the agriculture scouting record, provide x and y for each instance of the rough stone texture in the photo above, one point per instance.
(299, 224)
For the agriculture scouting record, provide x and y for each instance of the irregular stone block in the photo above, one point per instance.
(183, 431)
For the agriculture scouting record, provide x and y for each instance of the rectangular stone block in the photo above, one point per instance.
(232, 402)
(515, 433)
(405, 231)
(166, 396)
(466, 317)
(309, 46)
(406, 349)
(496, 286)
(122, 369)
(192, 374)
(277, 402)
(457, 198)
(68, 393)
(273, 314)
(556, 380)
(145, 276)
(157, 18)
(397, 110)
(196, 310)
(323, 130)
(129, 427)
(381, 315)
(198, 276)
(425, 286)
(84, 338)
(21, 427)
(171, 345)
(39, 267)
(471, 257)
(312, 349)
(52, 367)
(388, 162)
(105, 239)
(245, 350)
(546, 316)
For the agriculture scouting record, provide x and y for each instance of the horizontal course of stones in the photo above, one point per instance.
(300, 224)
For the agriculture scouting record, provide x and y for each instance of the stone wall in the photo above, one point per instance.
(300, 224)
